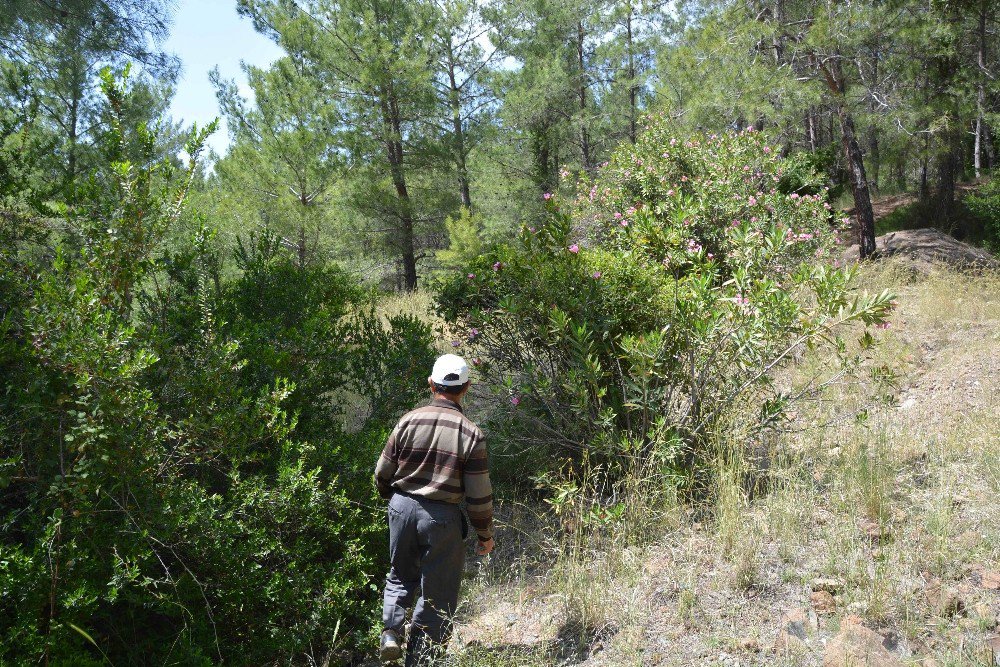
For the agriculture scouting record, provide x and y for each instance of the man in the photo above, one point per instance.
(435, 458)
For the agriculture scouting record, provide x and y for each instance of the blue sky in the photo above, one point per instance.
(207, 33)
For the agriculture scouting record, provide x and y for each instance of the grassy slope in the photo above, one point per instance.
(895, 510)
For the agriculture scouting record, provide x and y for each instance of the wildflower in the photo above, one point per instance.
(735, 223)
(456, 343)
(767, 149)
(630, 211)
(882, 325)
(618, 216)
(476, 361)
(623, 223)
(710, 256)
(752, 201)
(515, 400)
(670, 193)
(471, 276)
(473, 332)
(547, 196)
(564, 173)
(574, 248)
(597, 275)
(497, 266)
(794, 195)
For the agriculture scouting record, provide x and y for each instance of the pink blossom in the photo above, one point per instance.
(670, 193)
(623, 223)
(753, 219)
(597, 275)
(515, 400)
(794, 195)
(471, 276)
(476, 361)
(767, 149)
(882, 325)
(547, 196)
(618, 216)
(497, 266)
(574, 248)
(752, 201)
(456, 343)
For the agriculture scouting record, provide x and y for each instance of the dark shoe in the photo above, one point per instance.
(389, 648)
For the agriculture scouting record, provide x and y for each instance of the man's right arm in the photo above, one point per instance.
(479, 491)
(387, 465)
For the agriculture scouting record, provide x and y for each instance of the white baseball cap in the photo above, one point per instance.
(450, 370)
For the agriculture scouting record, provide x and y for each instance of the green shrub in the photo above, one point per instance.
(176, 483)
(632, 319)
(984, 204)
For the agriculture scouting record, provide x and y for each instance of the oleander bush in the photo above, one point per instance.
(653, 300)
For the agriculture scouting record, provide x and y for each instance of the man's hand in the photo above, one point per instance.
(484, 548)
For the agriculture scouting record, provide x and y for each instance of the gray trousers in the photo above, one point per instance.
(426, 552)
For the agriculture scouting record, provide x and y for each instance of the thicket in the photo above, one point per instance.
(640, 324)
(186, 437)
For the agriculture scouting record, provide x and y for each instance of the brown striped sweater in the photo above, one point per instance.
(437, 453)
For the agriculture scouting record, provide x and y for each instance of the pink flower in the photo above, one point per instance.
(597, 275)
(547, 196)
(515, 400)
(497, 266)
(623, 223)
(767, 149)
(742, 301)
(456, 343)
(752, 201)
(574, 248)
(794, 195)
(735, 223)
(476, 361)
(882, 325)
(618, 216)
(670, 193)
(471, 276)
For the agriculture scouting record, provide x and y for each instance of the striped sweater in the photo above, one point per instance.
(437, 453)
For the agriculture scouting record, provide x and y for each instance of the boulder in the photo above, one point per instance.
(925, 248)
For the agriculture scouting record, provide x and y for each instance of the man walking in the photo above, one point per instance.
(435, 458)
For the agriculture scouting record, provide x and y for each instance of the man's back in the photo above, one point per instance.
(436, 452)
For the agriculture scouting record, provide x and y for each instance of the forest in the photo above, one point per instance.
(628, 215)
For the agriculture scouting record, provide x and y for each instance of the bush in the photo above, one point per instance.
(632, 320)
(984, 204)
(176, 483)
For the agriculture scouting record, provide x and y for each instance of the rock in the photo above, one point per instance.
(828, 584)
(943, 600)
(991, 580)
(922, 249)
(908, 403)
(856, 645)
(823, 602)
(792, 632)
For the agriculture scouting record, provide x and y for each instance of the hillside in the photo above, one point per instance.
(881, 531)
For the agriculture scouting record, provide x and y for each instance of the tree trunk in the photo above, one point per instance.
(394, 154)
(633, 90)
(981, 92)
(584, 139)
(455, 102)
(855, 161)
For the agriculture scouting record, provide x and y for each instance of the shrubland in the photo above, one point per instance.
(186, 438)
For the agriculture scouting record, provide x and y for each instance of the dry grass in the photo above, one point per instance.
(898, 508)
